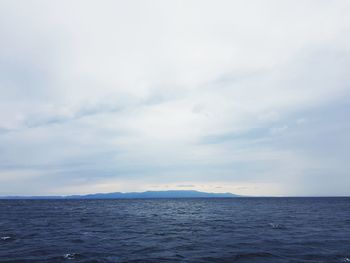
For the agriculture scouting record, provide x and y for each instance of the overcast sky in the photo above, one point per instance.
(249, 97)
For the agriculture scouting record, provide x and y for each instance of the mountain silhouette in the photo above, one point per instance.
(134, 195)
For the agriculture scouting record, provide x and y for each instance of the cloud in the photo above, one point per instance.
(278, 130)
(126, 94)
(301, 121)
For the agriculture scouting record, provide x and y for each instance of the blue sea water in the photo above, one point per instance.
(176, 230)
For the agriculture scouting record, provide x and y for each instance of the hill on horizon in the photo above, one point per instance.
(134, 195)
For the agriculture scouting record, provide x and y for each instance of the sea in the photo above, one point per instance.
(176, 230)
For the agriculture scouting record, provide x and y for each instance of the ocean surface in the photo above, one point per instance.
(176, 230)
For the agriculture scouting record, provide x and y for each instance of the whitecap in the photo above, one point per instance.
(5, 238)
(69, 255)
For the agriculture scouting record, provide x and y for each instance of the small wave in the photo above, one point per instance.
(276, 226)
(77, 240)
(345, 259)
(83, 219)
(245, 257)
(5, 238)
(254, 254)
(70, 256)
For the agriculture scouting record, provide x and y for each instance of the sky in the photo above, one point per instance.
(246, 96)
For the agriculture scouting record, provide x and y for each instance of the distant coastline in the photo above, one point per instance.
(133, 195)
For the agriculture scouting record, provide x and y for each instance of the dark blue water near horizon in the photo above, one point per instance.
(176, 230)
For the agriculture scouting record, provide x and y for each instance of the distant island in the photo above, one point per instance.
(134, 195)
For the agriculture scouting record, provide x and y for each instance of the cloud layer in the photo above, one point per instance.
(250, 97)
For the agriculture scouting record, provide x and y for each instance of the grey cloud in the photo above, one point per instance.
(85, 111)
(226, 95)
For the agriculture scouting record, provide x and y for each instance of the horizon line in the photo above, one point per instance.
(81, 196)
